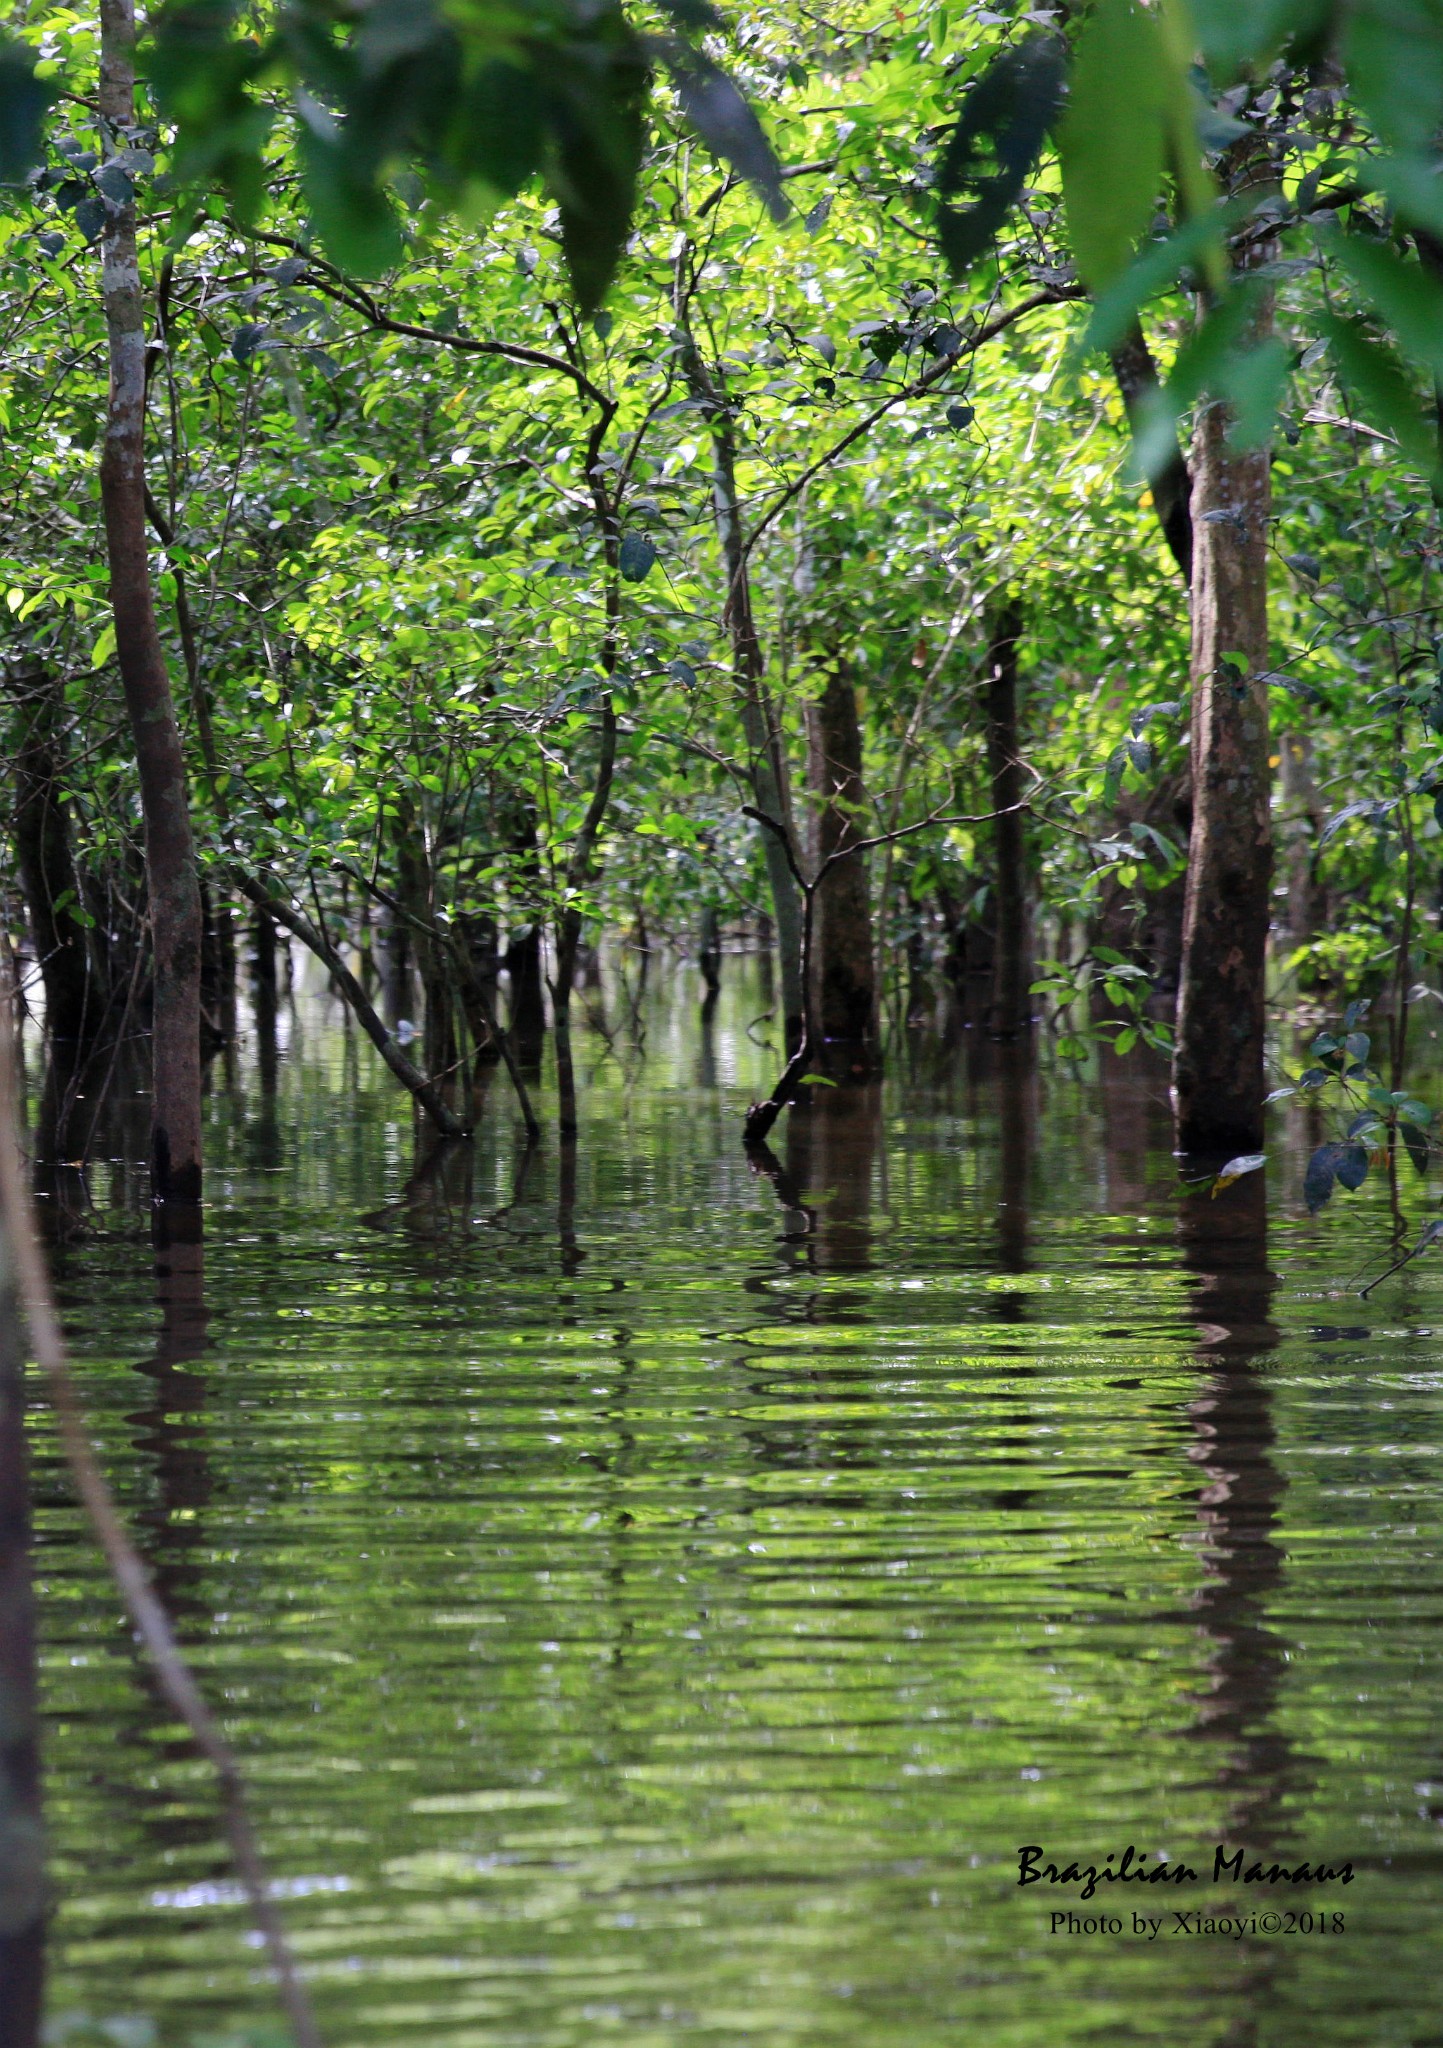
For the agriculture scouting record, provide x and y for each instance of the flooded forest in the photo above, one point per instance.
(721, 859)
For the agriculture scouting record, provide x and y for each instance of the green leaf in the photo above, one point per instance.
(1404, 294)
(104, 647)
(352, 215)
(1255, 380)
(1111, 138)
(1393, 55)
(1385, 391)
(24, 103)
(500, 126)
(1245, 1163)
(724, 121)
(1236, 35)
(1416, 1141)
(991, 151)
(814, 1081)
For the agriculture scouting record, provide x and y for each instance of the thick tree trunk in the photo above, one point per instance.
(844, 979)
(1011, 1012)
(22, 1863)
(171, 876)
(1218, 1066)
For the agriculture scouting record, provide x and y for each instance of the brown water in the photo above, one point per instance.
(654, 1601)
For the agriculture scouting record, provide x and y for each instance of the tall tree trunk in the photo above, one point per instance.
(708, 957)
(1218, 1065)
(1302, 818)
(416, 890)
(45, 860)
(171, 876)
(1011, 1011)
(765, 754)
(579, 873)
(22, 1872)
(844, 980)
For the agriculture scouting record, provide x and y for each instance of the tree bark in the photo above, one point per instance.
(172, 881)
(1011, 1012)
(844, 979)
(1218, 1083)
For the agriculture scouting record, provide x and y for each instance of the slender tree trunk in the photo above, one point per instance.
(766, 757)
(171, 876)
(579, 871)
(1303, 814)
(1218, 1082)
(1011, 1012)
(844, 979)
(708, 957)
(22, 1857)
(416, 891)
(45, 860)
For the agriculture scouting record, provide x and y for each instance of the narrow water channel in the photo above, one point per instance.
(655, 1598)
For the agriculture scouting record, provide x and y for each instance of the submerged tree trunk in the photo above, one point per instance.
(1011, 1011)
(1218, 1082)
(171, 877)
(844, 981)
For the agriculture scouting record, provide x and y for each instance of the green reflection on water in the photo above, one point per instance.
(654, 1599)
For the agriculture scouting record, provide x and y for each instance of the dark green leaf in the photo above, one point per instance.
(1385, 391)
(636, 557)
(501, 130)
(724, 121)
(1416, 1141)
(24, 102)
(1321, 1173)
(1352, 1166)
(960, 416)
(992, 149)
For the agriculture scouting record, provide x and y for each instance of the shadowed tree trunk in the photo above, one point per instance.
(1011, 1012)
(172, 882)
(45, 860)
(22, 1868)
(844, 980)
(75, 993)
(1302, 820)
(1218, 1067)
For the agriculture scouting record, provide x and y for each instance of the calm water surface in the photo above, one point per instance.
(654, 1600)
